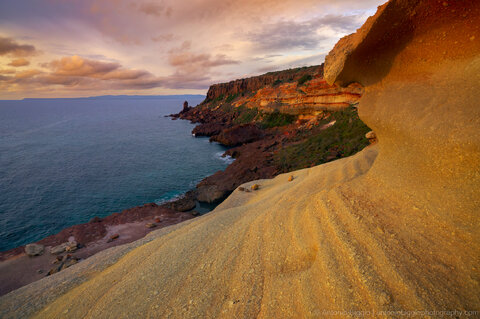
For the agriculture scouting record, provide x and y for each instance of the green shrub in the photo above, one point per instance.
(275, 119)
(218, 98)
(230, 98)
(304, 79)
(277, 82)
(245, 115)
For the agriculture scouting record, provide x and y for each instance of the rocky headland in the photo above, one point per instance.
(271, 121)
(391, 231)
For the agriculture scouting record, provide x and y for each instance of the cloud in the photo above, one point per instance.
(7, 71)
(134, 42)
(9, 46)
(306, 35)
(27, 74)
(315, 59)
(19, 62)
(78, 66)
(82, 74)
(193, 70)
(155, 9)
(163, 37)
(76, 70)
(189, 60)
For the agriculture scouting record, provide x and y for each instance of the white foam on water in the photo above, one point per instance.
(227, 159)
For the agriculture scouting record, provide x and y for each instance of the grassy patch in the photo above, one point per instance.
(245, 115)
(345, 138)
(304, 79)
(218, 98)
(277, 82)
(230, 98)
(275, 119)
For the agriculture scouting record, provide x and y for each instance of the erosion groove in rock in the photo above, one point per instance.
(393, 228)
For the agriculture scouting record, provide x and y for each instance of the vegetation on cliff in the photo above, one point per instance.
(326, 143)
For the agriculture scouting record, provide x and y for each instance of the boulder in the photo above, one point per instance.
(68, 246)
(34, 249)
(185, 203)
(95, 219)
(210, 193)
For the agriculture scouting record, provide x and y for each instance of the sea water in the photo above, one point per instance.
(64, 161)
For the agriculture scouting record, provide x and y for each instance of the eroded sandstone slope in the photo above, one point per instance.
(393, 228)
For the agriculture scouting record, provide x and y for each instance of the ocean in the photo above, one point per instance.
(64, 161)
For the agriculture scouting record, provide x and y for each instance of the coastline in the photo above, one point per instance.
(254, 149)
(18, 269)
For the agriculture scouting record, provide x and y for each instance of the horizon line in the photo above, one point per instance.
(107, 96)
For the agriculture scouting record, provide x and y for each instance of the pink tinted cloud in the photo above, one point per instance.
(19, 62)
(79, 73)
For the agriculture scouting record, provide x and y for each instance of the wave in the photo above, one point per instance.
(225, 158)
(168, 197)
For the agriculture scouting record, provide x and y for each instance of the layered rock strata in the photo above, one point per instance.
(257, 82)
(305, 100)
(302, 92)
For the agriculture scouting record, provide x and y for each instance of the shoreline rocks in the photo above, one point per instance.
(34, 249)
(68, 246)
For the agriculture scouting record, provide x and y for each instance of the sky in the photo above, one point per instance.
(76, 48)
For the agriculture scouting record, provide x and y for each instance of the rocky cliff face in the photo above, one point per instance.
(302, 92)
(309, 99)
(254, 83)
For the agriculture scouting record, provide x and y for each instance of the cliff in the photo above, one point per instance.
(302, 92)
(392, 230)
(257, 82)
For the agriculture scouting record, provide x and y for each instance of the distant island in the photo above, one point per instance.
(123, 97)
